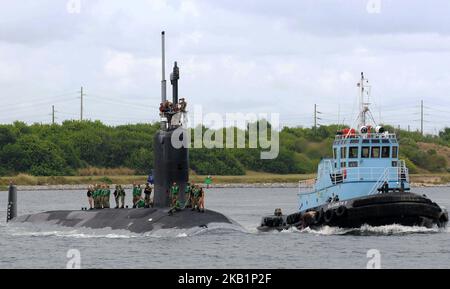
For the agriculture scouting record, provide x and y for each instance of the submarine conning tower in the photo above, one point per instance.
(171, 161)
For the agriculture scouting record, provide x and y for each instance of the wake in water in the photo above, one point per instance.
(213, 228)
(33, 230)
(367, 230)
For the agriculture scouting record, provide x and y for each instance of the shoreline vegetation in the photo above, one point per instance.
(87, 148)
(78, 153)
(251, 179)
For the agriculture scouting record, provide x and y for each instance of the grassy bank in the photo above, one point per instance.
(249, 178)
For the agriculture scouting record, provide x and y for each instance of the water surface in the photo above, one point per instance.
(37, 246)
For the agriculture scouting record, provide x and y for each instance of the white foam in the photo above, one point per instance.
(326, 230)
(290, 230)
(52, 230)
(182, 233)
(78, 234)
(365, 230)
(377, 230)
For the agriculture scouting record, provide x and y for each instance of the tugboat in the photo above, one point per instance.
(364, 183)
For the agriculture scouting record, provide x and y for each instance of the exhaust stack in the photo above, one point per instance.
(174, 77)
(12, 203)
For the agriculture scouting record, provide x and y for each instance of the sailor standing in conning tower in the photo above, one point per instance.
(171, 163)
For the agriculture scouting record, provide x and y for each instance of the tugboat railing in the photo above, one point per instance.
(367, 136)
(383, 178)
(378, 175)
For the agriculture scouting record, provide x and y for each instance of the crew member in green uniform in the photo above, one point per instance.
(208, 181)
(121, 194)
(102, 196)
(95, 196)
(137, 193)
(187, 195)
(90, 198)
(201, 200)
(191, 196)
(196, 193)
(107, 197)
(140, 203)
(116, 196)
(174, 190)
(175, 207)
(98, 203)
(147, 193)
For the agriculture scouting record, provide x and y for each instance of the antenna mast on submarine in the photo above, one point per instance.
(173, 114)
(171, 154)
(163, 81)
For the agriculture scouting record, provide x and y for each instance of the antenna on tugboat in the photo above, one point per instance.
(362, 105)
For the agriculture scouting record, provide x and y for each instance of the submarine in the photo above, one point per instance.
(171, 164)
(363, 183)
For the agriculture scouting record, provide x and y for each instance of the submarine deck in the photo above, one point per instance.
(135, 220)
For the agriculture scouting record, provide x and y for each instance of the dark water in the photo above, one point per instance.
(27, 246)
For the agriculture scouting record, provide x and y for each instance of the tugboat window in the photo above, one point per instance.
(353, 152)
(365, 152)
(352, 164)
(394, 152)
(375, 152)
(335, 153)
(375, 141)
(343, 152)
(385, 152)
(343, 165)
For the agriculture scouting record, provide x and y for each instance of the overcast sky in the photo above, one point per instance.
(234, 56)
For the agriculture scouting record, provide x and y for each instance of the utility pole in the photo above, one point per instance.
(81, 106)
(53, 114)
(421, 117)
(315, 117)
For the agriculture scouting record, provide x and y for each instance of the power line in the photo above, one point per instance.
(120, 102)
(27, 106)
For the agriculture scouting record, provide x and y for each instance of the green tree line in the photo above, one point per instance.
(63, 149)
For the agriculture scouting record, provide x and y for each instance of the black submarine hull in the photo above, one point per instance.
(134, 220)
(170, 169)
(400, 208)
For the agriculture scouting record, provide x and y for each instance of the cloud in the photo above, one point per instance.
(248, 56)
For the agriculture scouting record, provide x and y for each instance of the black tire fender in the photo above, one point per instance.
(319, 217)
(328, 216)
(341, 211)
(443, 217)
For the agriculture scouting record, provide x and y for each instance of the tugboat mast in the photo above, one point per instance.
(363, 101)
